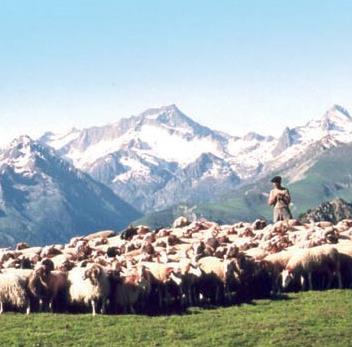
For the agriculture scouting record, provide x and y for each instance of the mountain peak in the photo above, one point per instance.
(156, 111)
(23, 140)
(339, 109)
(253, 136)
(336, 118)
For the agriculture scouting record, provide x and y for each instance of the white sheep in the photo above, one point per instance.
(275, 264)
(13, 291)
(304, 262)
(89, 285)
(221, 271)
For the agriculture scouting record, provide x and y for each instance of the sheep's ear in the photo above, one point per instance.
(97, 270)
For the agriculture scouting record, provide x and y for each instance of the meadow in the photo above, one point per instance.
(298, 319)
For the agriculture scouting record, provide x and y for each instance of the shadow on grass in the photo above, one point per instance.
(191, 310)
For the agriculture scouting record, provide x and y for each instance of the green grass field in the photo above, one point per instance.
(303, 319)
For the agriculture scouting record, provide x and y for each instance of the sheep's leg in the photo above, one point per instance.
(180, 293)
(329, 282)
(103, 307)
(226, 293)
(277, 285)
(195, 297)
(1, 307)
(160, 297)
(339, 278)
(303, 283)
(310, 281)
(28, 310)
(40, 305)
(93, 307)
(217, 294)
(167, 298)
(190, 300)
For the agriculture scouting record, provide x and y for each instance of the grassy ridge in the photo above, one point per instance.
(310, 319)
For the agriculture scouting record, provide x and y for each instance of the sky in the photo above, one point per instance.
(232, 65)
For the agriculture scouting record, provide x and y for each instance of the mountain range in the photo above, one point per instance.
(44, 199)
(162, 158)
(161, 164)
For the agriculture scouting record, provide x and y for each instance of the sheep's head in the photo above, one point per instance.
(195, 271)
(66, 266)
(37, 282)
(175, 277)
(47, 264)
(232, 252)
(93, 274)
(199, 248)
(287, 278)
(232, 269)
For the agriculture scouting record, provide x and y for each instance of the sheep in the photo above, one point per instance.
(131, 288)
(346, 269)
(48, 287)
(304, 262)
(253, 280)
(13, 291)
(100, 234)
(180, 222)
(219, 275)
(89, 285)
(128, 233)
(191, 275)
(275, 264)
(63, 262)
(161, 277)
(21, 245)
(344, 247)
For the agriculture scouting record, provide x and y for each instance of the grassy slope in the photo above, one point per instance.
(305, 319)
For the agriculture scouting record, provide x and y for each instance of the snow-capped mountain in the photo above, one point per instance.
(43, 198)
(156, 159)
(304, 143)
(142, 157)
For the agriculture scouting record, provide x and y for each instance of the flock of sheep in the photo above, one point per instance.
(190, 264)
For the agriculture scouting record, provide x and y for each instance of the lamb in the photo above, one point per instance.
(305, 262)
(89, 285)
(13, 291)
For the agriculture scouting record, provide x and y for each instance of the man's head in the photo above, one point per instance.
(276, 181)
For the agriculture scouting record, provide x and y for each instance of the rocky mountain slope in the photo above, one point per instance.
(332, 211)
(43, 198)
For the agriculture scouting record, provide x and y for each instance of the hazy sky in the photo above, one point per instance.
(236, 66)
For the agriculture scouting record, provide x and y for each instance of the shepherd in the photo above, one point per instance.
(280, 198)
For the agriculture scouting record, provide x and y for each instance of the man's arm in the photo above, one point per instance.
(272, 198)
(287, 197)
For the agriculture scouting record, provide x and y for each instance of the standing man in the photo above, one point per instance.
(280, 198)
